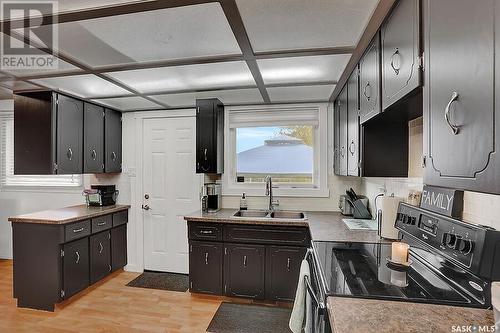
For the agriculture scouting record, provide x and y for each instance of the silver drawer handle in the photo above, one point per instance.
(206, 258)
(244, 261)
(100, 224)
(77, 257)
(342, 151)
(69, 154)
(101, 248)
(367, 91)
(93, 154)
(206, 232)
(113, 156)
(352, 147)
(205, 153)
(288, 264)
(396, 66)
(78, 230)
(454, 128)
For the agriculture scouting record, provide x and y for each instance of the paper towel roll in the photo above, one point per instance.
(495, 301)
(389, 208)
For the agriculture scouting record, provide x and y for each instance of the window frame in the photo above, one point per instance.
(319, 188)
(30, 186)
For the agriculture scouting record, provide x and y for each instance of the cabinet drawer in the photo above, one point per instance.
(120, 218)
(205, 231)
(101, 223)
(77, 230)
(267, 235)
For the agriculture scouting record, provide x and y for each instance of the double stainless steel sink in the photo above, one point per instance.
(264, 214)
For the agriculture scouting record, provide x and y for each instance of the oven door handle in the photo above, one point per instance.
(311, 292)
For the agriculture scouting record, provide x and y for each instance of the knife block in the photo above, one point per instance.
(360, 210)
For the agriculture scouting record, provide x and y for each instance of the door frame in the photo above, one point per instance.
(133, 136)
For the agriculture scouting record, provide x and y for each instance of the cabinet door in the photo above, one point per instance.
(75, 266)
(113, 141)
(118, 247)
(369, 82)
(69, 143)
(205, 136)
(282, 273)
(336, 137)
(400, 47)
(93, 139)
(342, 105)
(459, 97)
(205, 267)
(244, 267)
(353, 125)
(100, 259)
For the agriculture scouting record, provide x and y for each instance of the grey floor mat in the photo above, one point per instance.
(161, 281)
(248, 318)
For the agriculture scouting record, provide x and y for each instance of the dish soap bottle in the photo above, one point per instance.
(243, 202)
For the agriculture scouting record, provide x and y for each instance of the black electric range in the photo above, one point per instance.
(453, 263)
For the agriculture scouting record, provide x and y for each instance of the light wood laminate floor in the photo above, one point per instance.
(110, 306)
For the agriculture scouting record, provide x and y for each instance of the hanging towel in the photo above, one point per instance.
(299, 306)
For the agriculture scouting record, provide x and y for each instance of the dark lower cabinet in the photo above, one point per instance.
(244, 268)
(282, 272)
(205, 267)
(75, 267)
(118, 247)
(100, 256)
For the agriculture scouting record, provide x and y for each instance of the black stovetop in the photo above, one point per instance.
(361, 270)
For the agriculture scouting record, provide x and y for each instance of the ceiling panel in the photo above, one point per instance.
(228, 97)
(303, 69)
(174, 33)
(192, 77)
(86, 86)
(17, 85)
(295, 24)
(128, 103)
(300, 93)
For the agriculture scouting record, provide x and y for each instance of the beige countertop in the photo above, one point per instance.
(323, 226)
(368, 315)
(66, 214)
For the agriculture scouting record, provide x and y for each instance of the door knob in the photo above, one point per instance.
(146, 207)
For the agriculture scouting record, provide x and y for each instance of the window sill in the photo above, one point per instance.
(42, 189)
(278, 192)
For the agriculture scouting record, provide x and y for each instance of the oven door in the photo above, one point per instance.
(318, 323)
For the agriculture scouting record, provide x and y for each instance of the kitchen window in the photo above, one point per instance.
(7, 177)
(286, 142)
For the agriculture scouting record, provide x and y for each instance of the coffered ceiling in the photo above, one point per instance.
(146, 55)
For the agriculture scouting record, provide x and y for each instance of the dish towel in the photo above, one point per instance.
(296, 323)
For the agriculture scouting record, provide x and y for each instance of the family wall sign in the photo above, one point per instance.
(444, 201)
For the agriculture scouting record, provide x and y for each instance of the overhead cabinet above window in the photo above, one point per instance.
(58, 134)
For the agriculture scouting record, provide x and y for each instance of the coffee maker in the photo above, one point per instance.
(214, 197)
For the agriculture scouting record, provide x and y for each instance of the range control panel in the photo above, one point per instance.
(459, 241)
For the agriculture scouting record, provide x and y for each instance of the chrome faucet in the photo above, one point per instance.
(269, 192)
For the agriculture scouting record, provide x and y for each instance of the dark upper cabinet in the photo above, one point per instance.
(113, 141)
(282, 272)
(342, 130)
(58, 134)
(244, 268)
(205, 267)
(400, 48)
(93, 138)
(100, 256)
(69, 143)
(353, 125)
(118, 247)
(460, 94)
(75, 266)
(209, 136)
(369, 82)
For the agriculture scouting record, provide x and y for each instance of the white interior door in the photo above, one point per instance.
(171, 190)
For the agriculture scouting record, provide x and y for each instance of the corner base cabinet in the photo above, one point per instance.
(54, 260)
(257, 262)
